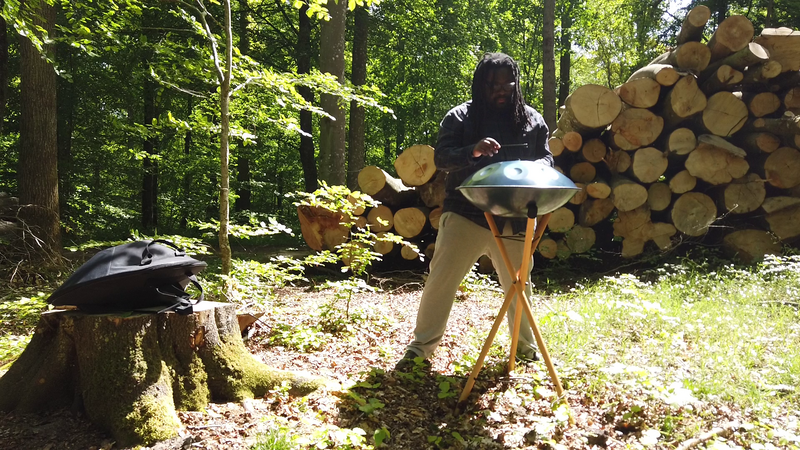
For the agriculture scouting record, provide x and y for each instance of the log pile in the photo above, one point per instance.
(700, 144)
(704, 138)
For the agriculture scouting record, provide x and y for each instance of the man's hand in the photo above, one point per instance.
(486, 146)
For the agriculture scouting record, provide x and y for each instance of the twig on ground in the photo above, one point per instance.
(723, 431)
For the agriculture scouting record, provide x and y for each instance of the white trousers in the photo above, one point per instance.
(459, 244)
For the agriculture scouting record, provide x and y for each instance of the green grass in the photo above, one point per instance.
(688, 332)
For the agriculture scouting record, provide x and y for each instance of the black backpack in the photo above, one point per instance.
(141, 276)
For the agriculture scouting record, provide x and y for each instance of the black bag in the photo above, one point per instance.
(133, 277)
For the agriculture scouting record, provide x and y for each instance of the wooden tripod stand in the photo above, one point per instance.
(533, 234)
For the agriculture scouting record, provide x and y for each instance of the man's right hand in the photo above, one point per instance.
(486, 146)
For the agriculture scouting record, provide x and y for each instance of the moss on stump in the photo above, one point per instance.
(130, 373)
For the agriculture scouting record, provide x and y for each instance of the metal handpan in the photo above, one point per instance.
(511, 188)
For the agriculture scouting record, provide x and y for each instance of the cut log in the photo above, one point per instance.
(580, 239)
(380, 218)
(361, 222)
(582, 172)
(594, 150)
(761, 73)
(408, 253)
(693, 24)
(434, 217)
(756, 143)
(761, 104)
(791, 98)
(129, 373)
(750, 55)
(598, 189)
(783, 45)
(561, 220)
(679, 141)
(556, 146)
(626, 194)
(722, 79)
(432, 193)
(683, 100)
(634, 128)
(772, 204)
(648, 164)
(693, 212)
(682, 182)
(618, 161)
(659, 196)
(385, 188)
(732, 35)
(594, 211)
(321, 228)
(782, 168)
(639, 93)
(409, 222)
(572, 141)
(664, 74)
(415, 165)
(784, 126)
(382, 246)
(590, 107)
(636, 228)
(562, 250)
(357, 209)
(430, 249)
(580, 196)
(744, 195)
(692, 56)
(783, 223)
(724, 114)
(716, 160)
(548, 248)
(751, 245)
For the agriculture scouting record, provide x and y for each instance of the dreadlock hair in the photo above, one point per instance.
(490, 63)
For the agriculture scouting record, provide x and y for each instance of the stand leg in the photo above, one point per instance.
(486, 346)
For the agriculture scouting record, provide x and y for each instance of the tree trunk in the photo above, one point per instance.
(693, 24)
(782, 168)
(380, 218)
(67, 98)
(648, 164)
(744, 195)
(634, 128)
(3, 68)
(751, 245)
(724, 114)
(732, 35)
(243, 175)
(322, 229)
(783, 45)
(566, 54)
(589, 108)
(659, 196)
(751, 54)
(626, 194)
(683, 100)
(549, 62)
(692, 56)
(356, 152)
(385, 188)
(38, 146)
(332, 131)
(561, 220)
(131, 372)
(663, 74)
(303, 57)
(716, 160)
(415, 165)
(682, 182)
(724, 78)
(639, 93)
(149, 165)
(224, 149)
(761, 104)
(679, 141)
(693, 212)
(409, 222)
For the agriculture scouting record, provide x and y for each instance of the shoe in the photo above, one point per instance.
(524, 357)
(411, 360)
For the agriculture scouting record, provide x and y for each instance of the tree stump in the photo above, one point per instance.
(129, 373)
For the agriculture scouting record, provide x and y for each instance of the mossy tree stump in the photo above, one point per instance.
(129, 373)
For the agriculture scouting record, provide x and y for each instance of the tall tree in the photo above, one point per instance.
(565, 63)
(149, 165)
(38, 149)
(303, 56)
(243, 177)
(332, 127)
(3, 67)
(549, 62)
(356, 151)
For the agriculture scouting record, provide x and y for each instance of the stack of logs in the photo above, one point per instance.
(410, 207)
(706, 135)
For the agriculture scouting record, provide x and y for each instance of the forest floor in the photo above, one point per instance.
(405, 410)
